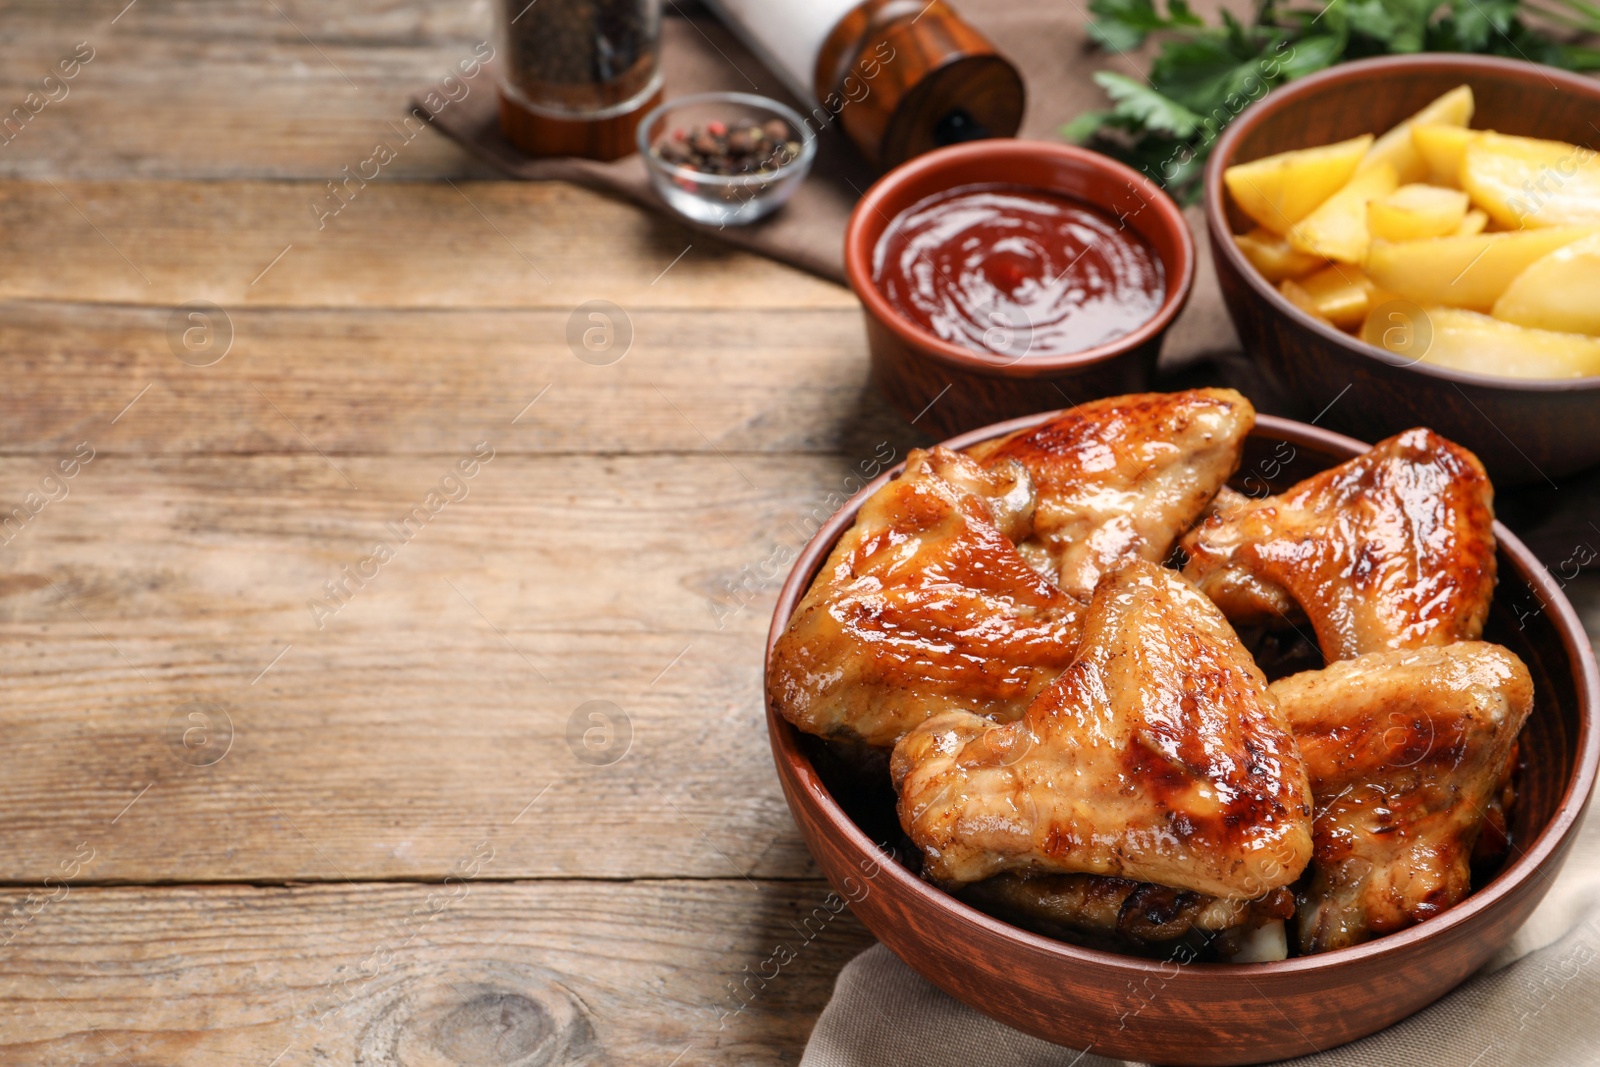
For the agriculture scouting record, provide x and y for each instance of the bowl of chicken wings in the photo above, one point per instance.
(1188, 735)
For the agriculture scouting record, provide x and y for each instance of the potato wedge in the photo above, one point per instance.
(1337, 229)
(1278, 191)
(1398, 325)
(1466, 340)
(1412, 212)
(1271, 255)
(1396, 147)
(1472, 223)
(1296, 294)
(1442, 147)
(1338, 293)
(1560, 291)
(1465, 272)
(1526, 183)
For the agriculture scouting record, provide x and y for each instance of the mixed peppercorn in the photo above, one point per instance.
(717, 148)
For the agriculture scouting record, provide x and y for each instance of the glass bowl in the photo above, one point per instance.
(723, 199)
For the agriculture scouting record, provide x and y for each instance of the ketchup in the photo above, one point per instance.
(1017, 271)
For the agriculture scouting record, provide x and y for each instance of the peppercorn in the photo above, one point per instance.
(714, 148)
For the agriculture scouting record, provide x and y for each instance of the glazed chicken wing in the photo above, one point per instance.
(924, 606)
(1406, 751)
(1116, 913)
(1393, 549)
(1120, 479)
(1157, 756)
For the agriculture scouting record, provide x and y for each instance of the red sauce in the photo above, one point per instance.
(1017, 271)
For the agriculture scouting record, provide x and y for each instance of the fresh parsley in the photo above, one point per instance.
(1204, 74)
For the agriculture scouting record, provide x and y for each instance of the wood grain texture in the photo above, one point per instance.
(436, 699)
(392, 245)
(231, 88)
(605, 554)
(624, 545)
(583, 973)
(420, 381)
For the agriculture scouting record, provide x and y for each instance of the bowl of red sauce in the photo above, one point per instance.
(1005, 277)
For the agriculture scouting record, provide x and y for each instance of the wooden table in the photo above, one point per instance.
(273, 796)
(294, 898)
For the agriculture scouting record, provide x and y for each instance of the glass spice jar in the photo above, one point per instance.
(576, 75)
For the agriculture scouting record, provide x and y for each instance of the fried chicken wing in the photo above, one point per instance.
(1406, 751)
(1119, 479)
(1393, 549)
(924, 606)
(1157, 756)
(1117, 913)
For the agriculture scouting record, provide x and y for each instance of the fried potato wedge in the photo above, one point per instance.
(1561, 291)
(1416, 211)
(1270, 254)
(1337, 229)
(1441, 146)
(1466, 340)
(1339, 293)
(1397, 147)
(1278, 191)
(1464, 272)
(1472, 223)
(1526, 183)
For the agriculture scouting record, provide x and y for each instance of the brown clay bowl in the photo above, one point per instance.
(946, 388)
(1165, 1012)
(1524, 430)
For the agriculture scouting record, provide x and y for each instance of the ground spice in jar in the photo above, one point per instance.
(717, 148)
(580, 56)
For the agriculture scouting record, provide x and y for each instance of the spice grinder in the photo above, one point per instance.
(902, 77)
(577, 75)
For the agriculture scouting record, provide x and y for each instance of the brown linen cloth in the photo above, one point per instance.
(1532, 1006)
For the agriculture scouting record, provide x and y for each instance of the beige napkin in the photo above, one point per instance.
(1537, 1004)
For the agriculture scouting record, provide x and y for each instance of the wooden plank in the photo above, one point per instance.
(290, 89)
(418, 706)
(411, 382)
(433, 705)
(481, 973)
(393, 245)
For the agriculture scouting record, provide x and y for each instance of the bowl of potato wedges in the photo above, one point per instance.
(1416, 240)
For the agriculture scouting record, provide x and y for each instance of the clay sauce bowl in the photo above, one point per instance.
(1164, 1012)
(946, 388)
(1524, 430)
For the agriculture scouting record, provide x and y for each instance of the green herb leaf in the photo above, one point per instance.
(1310, 54)
(1203, 75)
(1584, 59)
(1410, 20)
(1122, 25)
(1369, 18)
(1116, 36)
(1475, 21)
(1203, 71)
(1178, 14)
(1143, 105)
(1083, 128)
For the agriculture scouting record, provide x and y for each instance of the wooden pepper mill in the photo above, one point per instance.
(901, 77)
